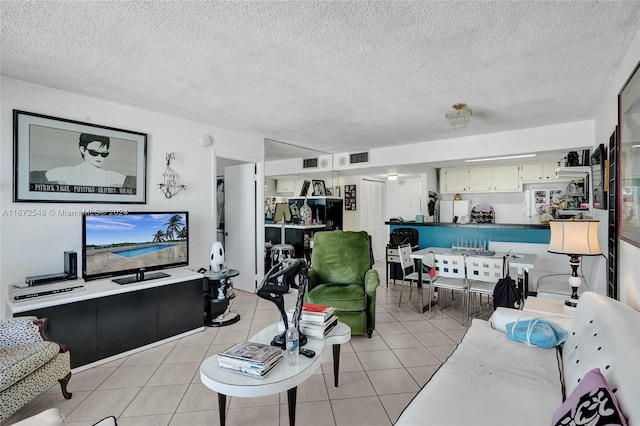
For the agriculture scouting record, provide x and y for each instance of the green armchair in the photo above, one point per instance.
(341, 276)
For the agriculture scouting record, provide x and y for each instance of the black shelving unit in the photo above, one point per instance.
(325, 210)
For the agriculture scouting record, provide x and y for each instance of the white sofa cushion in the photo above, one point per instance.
(50, 417)
(489, 380)
(605, 334)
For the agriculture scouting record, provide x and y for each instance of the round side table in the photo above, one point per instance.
(216, 304)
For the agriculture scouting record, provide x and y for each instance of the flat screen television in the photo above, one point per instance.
(134, 243)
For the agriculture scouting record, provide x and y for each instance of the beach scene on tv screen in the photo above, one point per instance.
(123, 243)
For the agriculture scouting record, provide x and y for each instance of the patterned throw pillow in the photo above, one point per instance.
(591, 403)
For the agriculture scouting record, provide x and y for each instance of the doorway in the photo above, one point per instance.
(236, 220)
(372, 216)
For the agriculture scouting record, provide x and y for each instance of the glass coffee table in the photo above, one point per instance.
(282, 378)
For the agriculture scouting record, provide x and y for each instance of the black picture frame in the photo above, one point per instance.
(305, 188)
(599, 177)
(295, 213)
(67, 161)
(318, 188)
(629, 159)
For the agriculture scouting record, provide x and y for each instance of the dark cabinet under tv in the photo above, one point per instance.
(123, 319)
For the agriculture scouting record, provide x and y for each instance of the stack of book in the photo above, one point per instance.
(250, 359)
(316, 321)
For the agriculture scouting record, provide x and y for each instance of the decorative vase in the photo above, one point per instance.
(305, 213)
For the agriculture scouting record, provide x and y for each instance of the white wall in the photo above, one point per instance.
(35, 245)
(404, 198)
(605, 123)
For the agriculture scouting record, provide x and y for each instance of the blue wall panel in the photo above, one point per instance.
(446, 236)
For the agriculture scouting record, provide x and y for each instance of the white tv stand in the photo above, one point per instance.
(108, 319)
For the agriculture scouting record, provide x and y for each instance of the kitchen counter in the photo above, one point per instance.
(471, 225)
(437, 234)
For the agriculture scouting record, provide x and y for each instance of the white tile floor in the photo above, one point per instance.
(378, 376)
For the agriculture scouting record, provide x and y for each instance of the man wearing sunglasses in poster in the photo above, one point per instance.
(94, 150)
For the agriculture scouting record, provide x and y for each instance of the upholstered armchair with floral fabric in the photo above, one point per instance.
(341, 275)
(30, 363)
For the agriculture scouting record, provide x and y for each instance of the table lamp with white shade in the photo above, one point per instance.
(575, 238)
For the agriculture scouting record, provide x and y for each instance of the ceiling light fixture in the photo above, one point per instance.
(511, 157)
(459, 116)
(392, 177)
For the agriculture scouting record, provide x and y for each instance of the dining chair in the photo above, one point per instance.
(450, 275)
(410, 274)
(483, 274)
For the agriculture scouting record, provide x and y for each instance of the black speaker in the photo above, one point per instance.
(71, 265)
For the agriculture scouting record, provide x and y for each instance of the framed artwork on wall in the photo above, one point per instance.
(66, 161)
(350, 197)
(599, 177)
(220, 202)
(629, 159)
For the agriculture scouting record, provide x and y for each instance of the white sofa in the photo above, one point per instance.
(491, 380)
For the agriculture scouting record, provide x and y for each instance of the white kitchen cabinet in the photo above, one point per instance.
(531, 173)
(480, 179)
(285, 185)
(454, 180)
(506, 179)
(538, 172)
(549, 171)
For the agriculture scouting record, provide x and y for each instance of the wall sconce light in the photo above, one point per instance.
(170, 187)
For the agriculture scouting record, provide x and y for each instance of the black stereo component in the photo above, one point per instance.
(71, 265)
(45, 279)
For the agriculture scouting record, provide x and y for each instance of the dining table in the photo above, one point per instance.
(523, 262)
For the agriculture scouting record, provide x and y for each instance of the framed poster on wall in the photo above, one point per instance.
(629, 159)
(350, 197)
(598, 173)
(66, 161)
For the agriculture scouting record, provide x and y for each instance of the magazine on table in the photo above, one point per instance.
(258, 373)
(318, 333)
(314, 330)
(312, 312)
(252, 352)
(316, 321)
(248, 364)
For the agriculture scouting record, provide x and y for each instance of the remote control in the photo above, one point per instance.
(307, 352)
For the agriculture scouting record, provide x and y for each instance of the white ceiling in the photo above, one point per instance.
(332, 76)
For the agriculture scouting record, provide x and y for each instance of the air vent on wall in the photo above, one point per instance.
(309, 163)
(360, 157)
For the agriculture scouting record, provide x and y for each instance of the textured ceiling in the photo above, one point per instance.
(333, 76)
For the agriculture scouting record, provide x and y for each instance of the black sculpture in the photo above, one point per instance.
(276, 283)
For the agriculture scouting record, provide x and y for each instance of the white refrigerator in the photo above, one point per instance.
(450, 209)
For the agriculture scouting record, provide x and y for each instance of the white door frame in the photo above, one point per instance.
(379, 234)
(259, 204)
